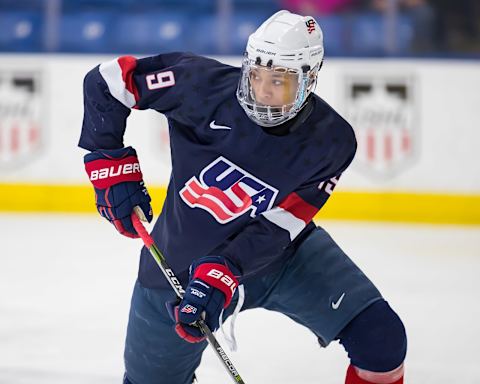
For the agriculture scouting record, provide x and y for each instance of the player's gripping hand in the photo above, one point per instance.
(210, 289)
(119, 187)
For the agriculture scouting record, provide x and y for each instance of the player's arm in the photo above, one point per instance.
(111, 90)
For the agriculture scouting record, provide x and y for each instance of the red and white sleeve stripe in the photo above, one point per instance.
(118, 74)
(292, 214)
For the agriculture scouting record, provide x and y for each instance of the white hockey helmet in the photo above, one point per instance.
(280, 67)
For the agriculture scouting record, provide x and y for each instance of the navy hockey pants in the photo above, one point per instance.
(319, 287)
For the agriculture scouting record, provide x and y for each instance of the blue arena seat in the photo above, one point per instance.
(227, 38)
(152, 32)
(335, 34)
(21, 31)
(79, 5)
(195, 5)
(272, 4)
(85, 32)
(266, 8)
(369, 31)
(26, 5)
(206, 42)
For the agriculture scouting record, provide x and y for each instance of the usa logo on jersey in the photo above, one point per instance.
(227, 191)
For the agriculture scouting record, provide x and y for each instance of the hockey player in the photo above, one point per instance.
(255, 155)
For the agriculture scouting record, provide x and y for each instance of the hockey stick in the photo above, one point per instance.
(179, 291)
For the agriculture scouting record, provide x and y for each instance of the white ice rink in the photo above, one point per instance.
(65, 284)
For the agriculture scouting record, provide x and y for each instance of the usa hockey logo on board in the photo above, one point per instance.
(383, 111)
(227, 191)
(21, 116)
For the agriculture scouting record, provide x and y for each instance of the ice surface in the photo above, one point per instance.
(65, 284)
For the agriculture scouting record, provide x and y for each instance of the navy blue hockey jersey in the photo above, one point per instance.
(235, 189)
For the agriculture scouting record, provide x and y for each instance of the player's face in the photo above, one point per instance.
(273, 87)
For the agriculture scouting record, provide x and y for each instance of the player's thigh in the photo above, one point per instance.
(322, 288)
(154, 354)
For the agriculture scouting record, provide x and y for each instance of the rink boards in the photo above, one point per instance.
(415, 121)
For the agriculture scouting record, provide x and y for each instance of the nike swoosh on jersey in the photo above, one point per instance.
(215, 126)
(336, 304)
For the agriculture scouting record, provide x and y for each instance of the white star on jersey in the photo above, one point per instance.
(260, 199)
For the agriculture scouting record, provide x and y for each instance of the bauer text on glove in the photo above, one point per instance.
(119, 187)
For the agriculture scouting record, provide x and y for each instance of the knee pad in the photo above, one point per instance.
(375, 340)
